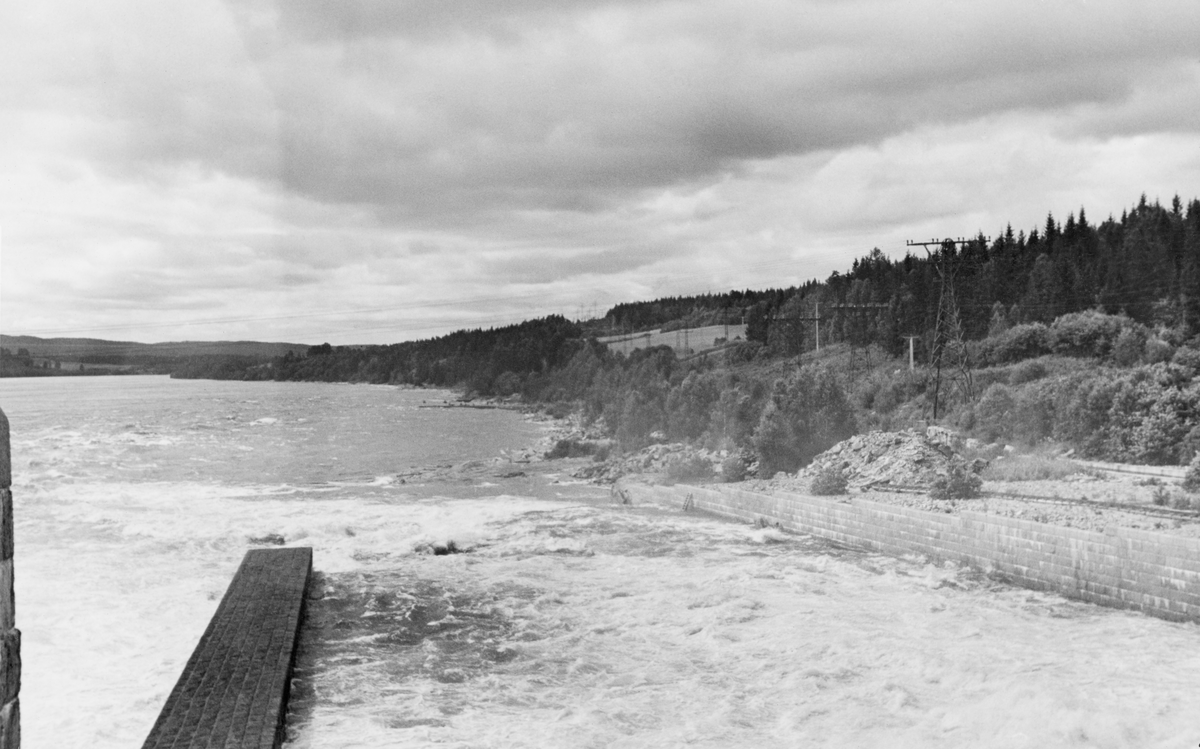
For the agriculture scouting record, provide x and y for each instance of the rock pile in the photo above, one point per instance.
(652, 459)
(882, 459)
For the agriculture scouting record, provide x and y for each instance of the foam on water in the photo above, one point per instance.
(603, 626)
(567, 622)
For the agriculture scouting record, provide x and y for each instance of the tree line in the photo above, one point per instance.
(1125, 292)
(1145, 265)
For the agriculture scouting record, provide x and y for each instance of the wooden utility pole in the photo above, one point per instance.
(948, 341)
(816, 319)
(910, 339)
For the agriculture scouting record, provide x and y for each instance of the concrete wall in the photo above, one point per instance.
(1156, 573)
(10, 637)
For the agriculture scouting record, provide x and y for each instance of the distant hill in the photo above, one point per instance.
(30, 356)
(101, 351)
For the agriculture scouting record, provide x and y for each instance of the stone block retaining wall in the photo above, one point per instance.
(1155, 573)
(10, 636)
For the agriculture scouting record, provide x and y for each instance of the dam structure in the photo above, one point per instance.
(1128, 568)
(234, 689)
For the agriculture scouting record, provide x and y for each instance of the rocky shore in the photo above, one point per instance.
(877, 464)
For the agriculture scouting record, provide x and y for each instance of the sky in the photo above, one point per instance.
(374, 171)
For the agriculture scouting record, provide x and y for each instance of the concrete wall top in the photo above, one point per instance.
(1153, 572)
(5, 458)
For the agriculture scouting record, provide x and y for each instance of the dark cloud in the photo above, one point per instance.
(337, 21)
(429, 116)
(576, 120)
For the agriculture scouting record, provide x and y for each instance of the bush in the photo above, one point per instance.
(570, 449)
(960, 482)
(1157, 350)
(1129, 346)
(558, 410)
(808, 414)
(1161, 497)
(1188, 358)
(1181, 502)
(690, 405)
(507, 384)
(733, 468)
(689, 468)
(742, 352)
(1027, 372)
(641, 415)
(1191, 479)
(1083, 405)
(1148, 423)
(1088, 333)
(993, 413)
(736, 412)
(827, 482)
(1033, 414)
(893, 391)
(1015, 344)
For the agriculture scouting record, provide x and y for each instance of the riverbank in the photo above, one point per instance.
(521, 471)
(1081, 496)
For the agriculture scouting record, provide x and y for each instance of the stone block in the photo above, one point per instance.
(10, 665)
(5, 453)
(6, 595)
(6, 524)
(10, 725)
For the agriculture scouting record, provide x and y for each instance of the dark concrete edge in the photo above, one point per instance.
(281, 719)
(281, 722)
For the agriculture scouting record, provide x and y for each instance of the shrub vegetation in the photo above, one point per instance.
(828, 481)
(959, 482)
(689, 468)
(733, 468)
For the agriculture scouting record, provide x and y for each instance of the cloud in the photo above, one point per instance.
(447, 112)
(583, 106)
(260, 155)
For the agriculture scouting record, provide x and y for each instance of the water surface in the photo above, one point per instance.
(570, 621)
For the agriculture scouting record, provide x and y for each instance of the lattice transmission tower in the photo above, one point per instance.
(949, 345)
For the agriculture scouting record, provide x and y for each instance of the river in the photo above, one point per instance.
(568, 621)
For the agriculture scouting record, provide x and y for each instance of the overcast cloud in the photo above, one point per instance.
(379, 170)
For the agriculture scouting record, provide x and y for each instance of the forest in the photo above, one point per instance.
(1080, 332)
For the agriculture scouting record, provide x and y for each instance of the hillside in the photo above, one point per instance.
(25, 356)
(1110, 311)
(77, 348)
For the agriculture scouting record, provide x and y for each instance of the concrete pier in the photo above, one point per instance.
(10, 636)
(234, 689)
